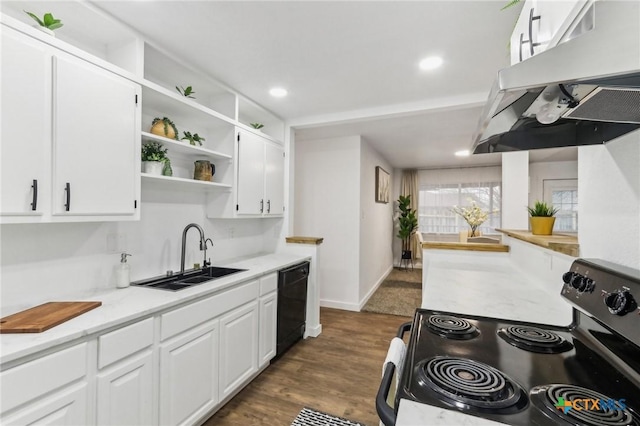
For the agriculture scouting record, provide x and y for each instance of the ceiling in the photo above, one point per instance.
(350, 67)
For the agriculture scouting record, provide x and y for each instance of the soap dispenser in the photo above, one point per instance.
(122, 272)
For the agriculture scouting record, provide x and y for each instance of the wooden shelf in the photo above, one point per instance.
(562, 243)
(466, 246)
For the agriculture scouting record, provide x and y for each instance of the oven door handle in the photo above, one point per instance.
(385, 412)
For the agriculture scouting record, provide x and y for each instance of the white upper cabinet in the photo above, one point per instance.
(540, 26)
(95, 133)
(70, 137)
(25, 127)
(260, 183)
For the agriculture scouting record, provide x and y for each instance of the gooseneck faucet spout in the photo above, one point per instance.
(203, 245)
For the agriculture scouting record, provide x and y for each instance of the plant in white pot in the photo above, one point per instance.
(154, 157)
(542, 218)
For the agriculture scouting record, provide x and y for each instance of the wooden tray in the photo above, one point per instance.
(45, 316)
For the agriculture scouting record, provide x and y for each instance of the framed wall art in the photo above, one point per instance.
(382, 185)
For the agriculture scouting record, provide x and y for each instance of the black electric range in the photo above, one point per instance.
(518, 373)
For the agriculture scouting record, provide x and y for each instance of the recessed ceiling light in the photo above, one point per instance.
(430, 63)
(463, 153)
(278, 92)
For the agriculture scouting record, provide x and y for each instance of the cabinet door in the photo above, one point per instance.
(274, 179)
(268, 324)
(25, 126)
(95, 150)
(250, 191)
(189, 375)
(66, 407)
(125, 392)
(238, 347)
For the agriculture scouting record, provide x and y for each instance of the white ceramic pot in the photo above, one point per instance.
(153, 167)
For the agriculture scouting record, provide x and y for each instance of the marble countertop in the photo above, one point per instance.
(120, 306)
(411, 413)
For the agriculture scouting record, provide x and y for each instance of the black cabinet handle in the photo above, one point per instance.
(261, 206)
(34, 200)
(268, 206)
(67, 190)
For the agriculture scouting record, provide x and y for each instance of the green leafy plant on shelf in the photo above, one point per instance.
(542, 209)
(47, 21)
(407, 224)
(154, 151)
(510, 3)
(188, 92)
(193, 138)
(164, 127)
(257, 125)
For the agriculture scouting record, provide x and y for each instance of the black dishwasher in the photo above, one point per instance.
(292, 305)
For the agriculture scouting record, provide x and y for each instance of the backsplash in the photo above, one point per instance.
(44, 262)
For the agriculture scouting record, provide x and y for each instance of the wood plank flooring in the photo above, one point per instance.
(338, 373)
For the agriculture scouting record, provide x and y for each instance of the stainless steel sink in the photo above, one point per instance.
(188, 279)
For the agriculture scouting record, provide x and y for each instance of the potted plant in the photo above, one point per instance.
(47, 24)
(257, 126)
(164, 127)
(474, 216)
(154, 157)
(542, 218)
(407, 224)
(187, 93)
(193, 138)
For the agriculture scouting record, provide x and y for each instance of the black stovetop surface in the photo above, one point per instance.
(590, 364)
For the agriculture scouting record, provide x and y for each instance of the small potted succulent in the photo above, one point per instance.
(542, 218)
(193, 139)
(186, 92)
(257, 126)
(47, 24)
(164, 127)
(154, 158)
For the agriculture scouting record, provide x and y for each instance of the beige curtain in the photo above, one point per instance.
(409, 186)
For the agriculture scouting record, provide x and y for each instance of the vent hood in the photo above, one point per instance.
(584, 91)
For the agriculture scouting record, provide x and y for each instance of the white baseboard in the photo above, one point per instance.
(313, 332)
(339, 305)
(374, 288)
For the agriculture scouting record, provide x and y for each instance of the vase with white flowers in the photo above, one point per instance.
(474, 216)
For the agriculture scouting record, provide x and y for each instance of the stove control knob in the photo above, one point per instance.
(567, 276)
(620, 302)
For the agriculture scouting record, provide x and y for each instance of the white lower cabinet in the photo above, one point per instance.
(49, 390)
(238, 347)
(125, 392)
(189, 375)
(268, 318)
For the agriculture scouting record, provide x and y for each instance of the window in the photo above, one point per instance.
(436, 201)
(563, 195)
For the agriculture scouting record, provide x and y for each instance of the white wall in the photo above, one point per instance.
(43, 262)
(515, 184)
(376, 224)
(539, 172)
(609, 200)
(327, 205)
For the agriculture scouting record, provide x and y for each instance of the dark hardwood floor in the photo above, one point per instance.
(338, 373)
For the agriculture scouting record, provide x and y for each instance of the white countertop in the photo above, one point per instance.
(492, 287)
(411, 413)
(120, 306)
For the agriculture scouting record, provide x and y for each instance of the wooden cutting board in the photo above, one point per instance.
(45, 316)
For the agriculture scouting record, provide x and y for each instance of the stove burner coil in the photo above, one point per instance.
(452, 327)
(471, 384)
(534, 339)
(578, 406)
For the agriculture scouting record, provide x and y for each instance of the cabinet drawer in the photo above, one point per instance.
(268, 283)
(37, 378)
(196, 313)
(123, 342)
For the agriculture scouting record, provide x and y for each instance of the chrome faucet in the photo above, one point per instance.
(203, 245)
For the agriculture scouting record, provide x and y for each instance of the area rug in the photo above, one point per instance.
(310, 417)
(399, 294)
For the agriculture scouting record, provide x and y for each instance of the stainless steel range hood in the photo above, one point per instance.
(597, 65)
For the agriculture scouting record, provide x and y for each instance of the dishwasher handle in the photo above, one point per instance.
(385, 412)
